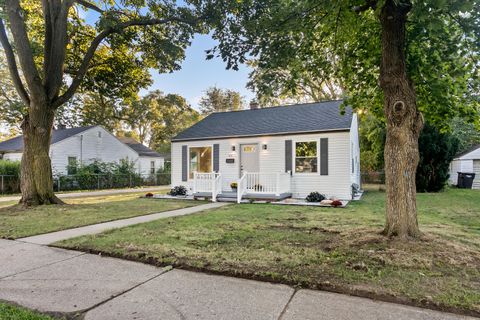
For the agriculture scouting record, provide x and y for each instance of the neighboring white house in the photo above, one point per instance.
(467, 162)
(85, 145)
(271, 153)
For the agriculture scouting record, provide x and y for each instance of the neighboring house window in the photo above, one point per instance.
(72, 165)
(152, 167)
(99, 134)
(200, 160)
(306, 157)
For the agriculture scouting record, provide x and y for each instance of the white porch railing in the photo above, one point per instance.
(267, 183)
(206, 182)
(216, 186)
(241, 187)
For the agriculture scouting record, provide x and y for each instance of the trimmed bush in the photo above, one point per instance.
(11, 172)
(178, 191)
(336, 203)
(315, 197)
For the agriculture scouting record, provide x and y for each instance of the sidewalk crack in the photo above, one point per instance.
(162, 272)
(44, 265)
(280, 317)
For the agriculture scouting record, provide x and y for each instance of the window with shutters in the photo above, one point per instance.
(306, 157)
(200, 160)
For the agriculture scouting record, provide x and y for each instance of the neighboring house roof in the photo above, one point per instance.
(466, 152)
(300, 118)
(16, 144)
(139, 148)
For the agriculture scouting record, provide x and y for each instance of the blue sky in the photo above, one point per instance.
(197, 74)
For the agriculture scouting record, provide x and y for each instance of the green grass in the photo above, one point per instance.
(9, 312)
(336, 249)
(17, 222)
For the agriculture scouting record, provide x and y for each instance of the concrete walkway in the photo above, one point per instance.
(96, 193)
(100, 288)
(52, 237)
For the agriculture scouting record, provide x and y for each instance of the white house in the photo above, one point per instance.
(467, 162)
(85, 145)
(271, 153)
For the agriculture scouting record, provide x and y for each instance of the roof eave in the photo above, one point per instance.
(261, 135)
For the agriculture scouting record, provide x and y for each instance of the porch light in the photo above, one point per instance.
(264, 147)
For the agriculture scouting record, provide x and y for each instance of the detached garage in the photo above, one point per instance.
(466, 162)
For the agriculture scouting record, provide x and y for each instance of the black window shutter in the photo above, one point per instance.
(288, 155)
(324, 156)
(216, 157)
(184, 163)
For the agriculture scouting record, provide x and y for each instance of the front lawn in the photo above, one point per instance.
(17, 222)
(325, 248)
(9, 312)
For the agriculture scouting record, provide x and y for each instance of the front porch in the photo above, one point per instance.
(252, 185)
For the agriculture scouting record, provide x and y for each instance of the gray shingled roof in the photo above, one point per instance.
(300, 118)
(139, 148)
(16, 144)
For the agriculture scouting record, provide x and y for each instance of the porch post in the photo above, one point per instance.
(194, 181)
(278, 184)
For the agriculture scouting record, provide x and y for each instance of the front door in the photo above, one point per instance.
(249, 158)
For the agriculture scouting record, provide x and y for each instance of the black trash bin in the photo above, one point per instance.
(465, 180)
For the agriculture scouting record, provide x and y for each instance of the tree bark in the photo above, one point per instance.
(404, 123)
(36, 170)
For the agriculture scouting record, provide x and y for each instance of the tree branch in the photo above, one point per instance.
(82, 70)
(12, 65)
(89, 5)
(24, 51)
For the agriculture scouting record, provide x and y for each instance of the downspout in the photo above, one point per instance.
(81, 150)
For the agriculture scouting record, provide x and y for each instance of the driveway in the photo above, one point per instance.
(99, 288)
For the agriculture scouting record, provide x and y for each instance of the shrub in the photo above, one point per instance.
(315, 197)
(149, 195)
(178, 191)
(11, 171)
(437, 150)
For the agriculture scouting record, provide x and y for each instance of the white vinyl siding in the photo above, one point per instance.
(476, 170)
(336, 183)
(13, 156)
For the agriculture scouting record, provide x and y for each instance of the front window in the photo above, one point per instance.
(306, 157)
(152, 167)
(72, 165)
(200, 160)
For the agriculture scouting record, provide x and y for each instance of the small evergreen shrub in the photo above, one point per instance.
(178, 191)
(149, 195)
(315, 197)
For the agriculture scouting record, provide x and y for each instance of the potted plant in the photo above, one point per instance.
(234, 186)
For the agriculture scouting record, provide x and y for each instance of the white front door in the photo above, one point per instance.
(249, 161)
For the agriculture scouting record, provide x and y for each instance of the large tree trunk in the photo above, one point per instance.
(404, 123)
(36, 181)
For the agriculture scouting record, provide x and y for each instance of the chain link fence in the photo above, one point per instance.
(11, 184)
(373, 180)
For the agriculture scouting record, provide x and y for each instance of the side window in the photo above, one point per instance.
(72, 165)
(152, 167)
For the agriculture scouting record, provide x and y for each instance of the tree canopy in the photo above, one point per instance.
(309, 43)
(216, 100)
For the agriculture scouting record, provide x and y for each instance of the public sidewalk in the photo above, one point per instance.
(101, 288)
(95, 193)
